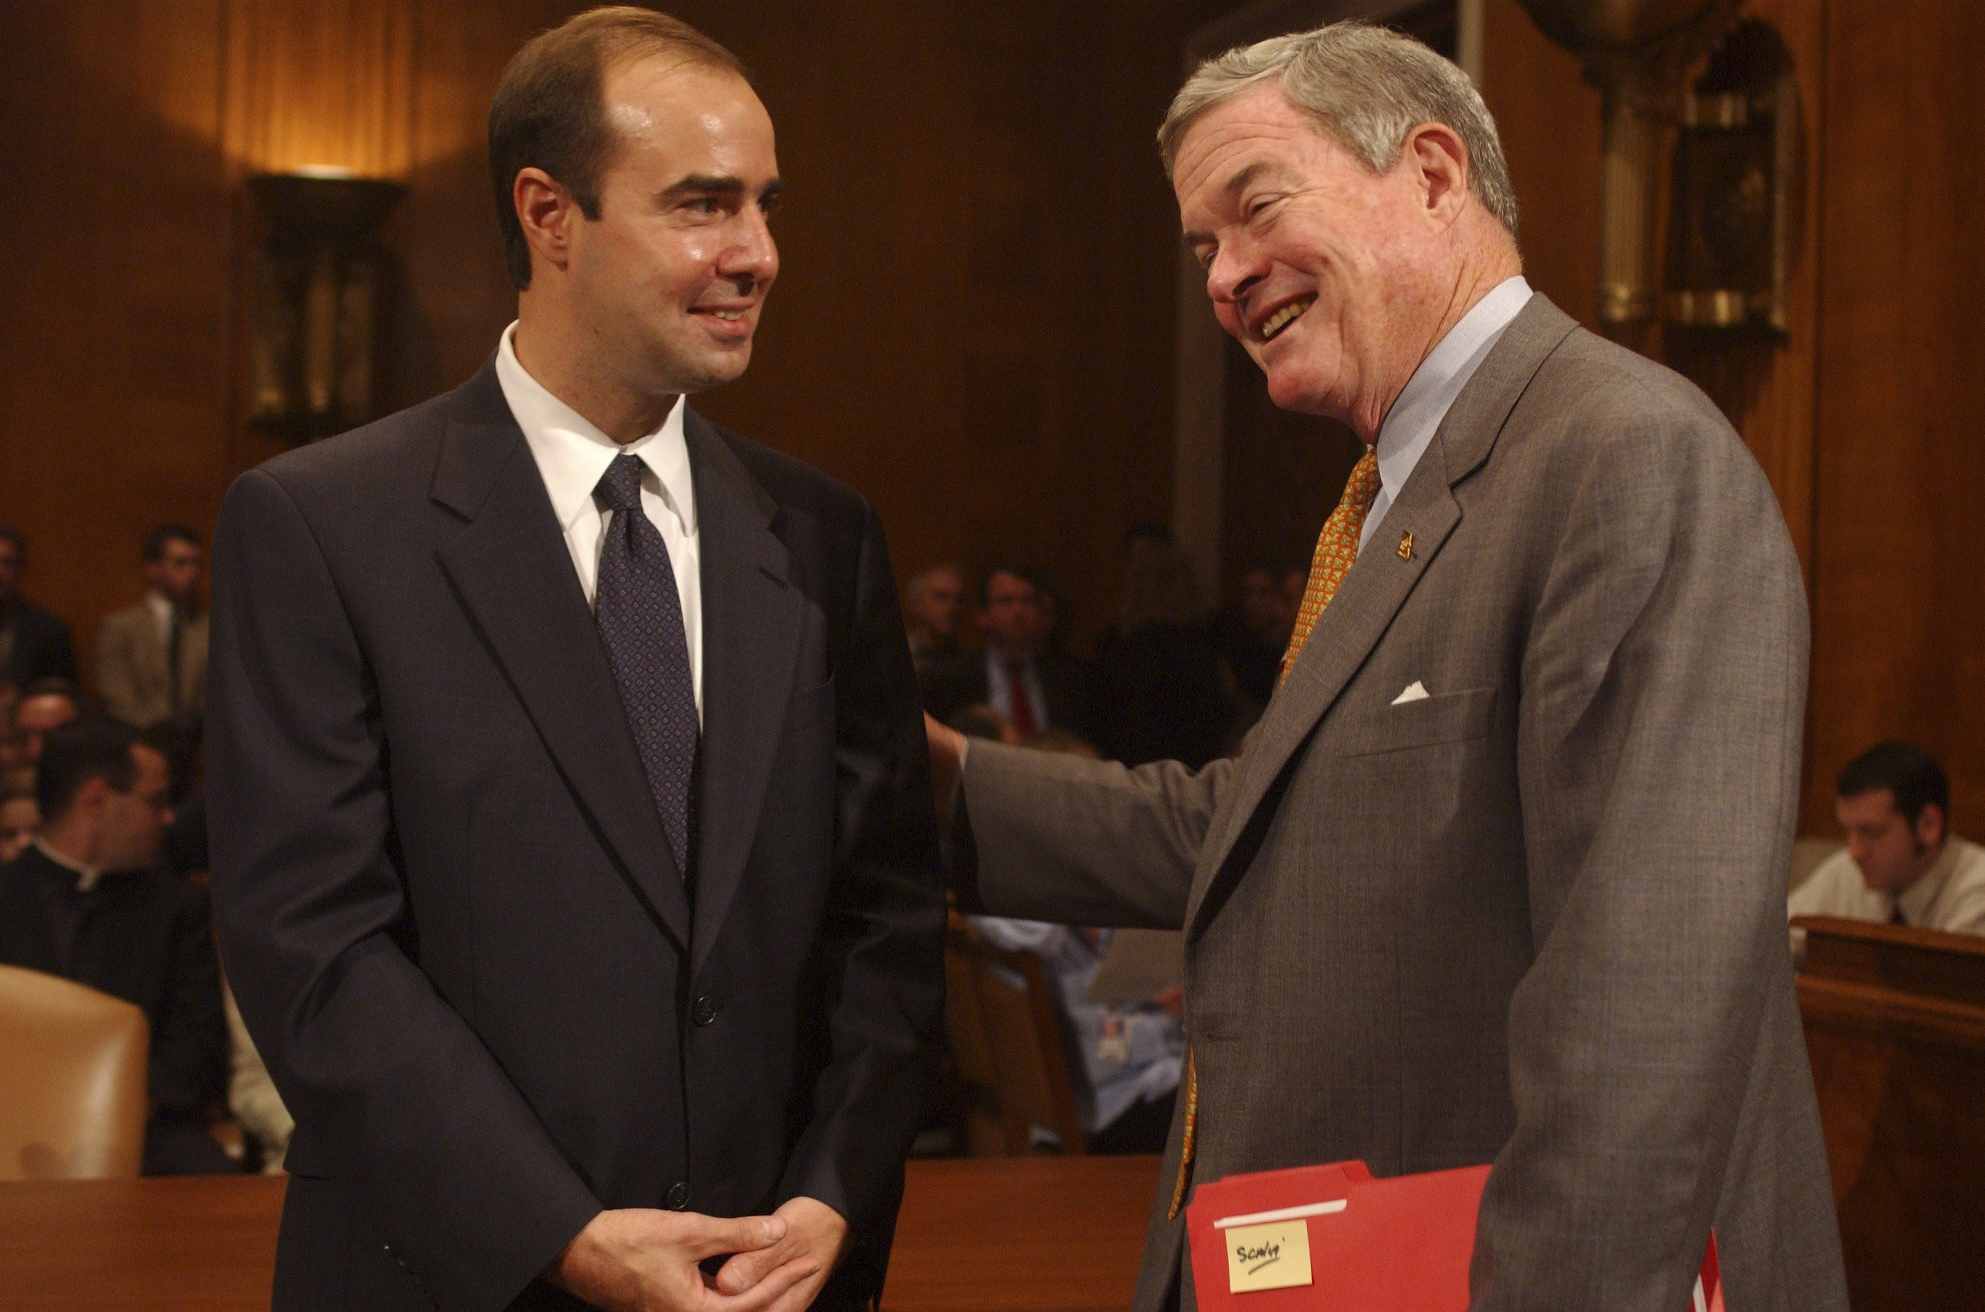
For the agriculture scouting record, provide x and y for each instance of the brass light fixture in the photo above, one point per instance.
(1737, 193)
(1637, 53)
(318, 302)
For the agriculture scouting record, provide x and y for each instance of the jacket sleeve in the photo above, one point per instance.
(1048, 836)
(394, 1095)
(1663, 690)
(882, 937)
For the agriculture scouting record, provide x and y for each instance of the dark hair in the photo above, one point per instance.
(8, 533)
(1911, 774)
(157, 540)
(549, 112)
(1025, 573)
(54, 685)
(77, 753)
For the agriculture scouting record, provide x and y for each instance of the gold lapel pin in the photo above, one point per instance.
(1406, 546)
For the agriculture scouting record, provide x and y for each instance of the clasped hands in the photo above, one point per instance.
(648, 1260)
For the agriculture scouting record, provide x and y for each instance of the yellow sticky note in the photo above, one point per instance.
(1273, 1256)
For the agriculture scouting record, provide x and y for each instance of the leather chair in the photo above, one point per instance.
(1007, 1040)
(72, 1086)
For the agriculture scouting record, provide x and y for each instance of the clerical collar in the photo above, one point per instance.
(86, 878)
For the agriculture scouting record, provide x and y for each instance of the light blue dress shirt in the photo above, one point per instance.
(1411, 423)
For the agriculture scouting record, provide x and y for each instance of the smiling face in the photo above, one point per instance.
(1325, 272)
(668, 282)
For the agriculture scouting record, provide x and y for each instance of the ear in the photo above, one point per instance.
(1436, 154)
(1930, 825)
(547, 212)
(92, 797)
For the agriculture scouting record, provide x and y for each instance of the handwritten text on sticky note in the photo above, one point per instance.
(1273, 1256)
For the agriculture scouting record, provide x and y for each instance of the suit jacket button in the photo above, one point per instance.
(677, 1197)
(704, 1011)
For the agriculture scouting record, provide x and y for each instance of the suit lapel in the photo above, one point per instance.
(1378, 583)
(514, 574)
(751, 630)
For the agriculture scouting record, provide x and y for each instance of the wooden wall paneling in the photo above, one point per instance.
(1547, 116)
(116, 295)
(322, 83)
(1765, 386)
(1899, 641)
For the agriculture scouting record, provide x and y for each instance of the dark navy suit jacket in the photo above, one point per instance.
(446, 901)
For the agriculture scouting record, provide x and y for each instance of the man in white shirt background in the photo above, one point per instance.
(1901, 865)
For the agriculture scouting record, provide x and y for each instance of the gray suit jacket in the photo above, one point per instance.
(1536, 918)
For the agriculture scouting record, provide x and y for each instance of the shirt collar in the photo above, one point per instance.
(1414, 418)
(572, 454)
(1919, 897)
(86, 877)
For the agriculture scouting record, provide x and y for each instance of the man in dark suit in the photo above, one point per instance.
(88, 902)
(571, 831)
(33, 643)
(1033, 688)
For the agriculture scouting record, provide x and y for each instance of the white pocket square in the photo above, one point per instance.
(1415, 692)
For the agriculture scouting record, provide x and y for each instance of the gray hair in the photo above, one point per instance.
(1366, 87)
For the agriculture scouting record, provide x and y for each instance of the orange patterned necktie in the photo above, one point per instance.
(1336, 549)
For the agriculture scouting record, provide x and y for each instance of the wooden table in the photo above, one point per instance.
(1035, 1234)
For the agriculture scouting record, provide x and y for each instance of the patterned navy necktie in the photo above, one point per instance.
(639, 613)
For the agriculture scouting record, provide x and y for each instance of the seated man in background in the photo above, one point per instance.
(1902, 865)
(20, 819)
(1034, 688)
(33, 643)
(86, 902)
(152, 656)
(933, 603)
(45, 706)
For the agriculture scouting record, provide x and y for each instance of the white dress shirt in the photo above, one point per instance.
(161, 610)
(1411, 423)
(573, 455)
(1950, 896)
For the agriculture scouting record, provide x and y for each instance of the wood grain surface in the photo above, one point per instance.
(987, 1235)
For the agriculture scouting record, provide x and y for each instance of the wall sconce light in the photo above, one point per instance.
(1637, 53)
(1737, 193)
(319, 301)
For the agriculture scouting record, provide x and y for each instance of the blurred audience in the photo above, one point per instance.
(982, 721)
(1128, 1056)
(151, 657)
(87, 901)
(1902, 865)
(933, 604)
(33, 643)
(45, 706)
(1253, 637)
(20, 819)
(1158, 688)
(1032, 688)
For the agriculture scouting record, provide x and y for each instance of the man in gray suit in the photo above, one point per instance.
(1499, 876)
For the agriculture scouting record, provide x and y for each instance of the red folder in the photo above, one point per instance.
(1395, 1245)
